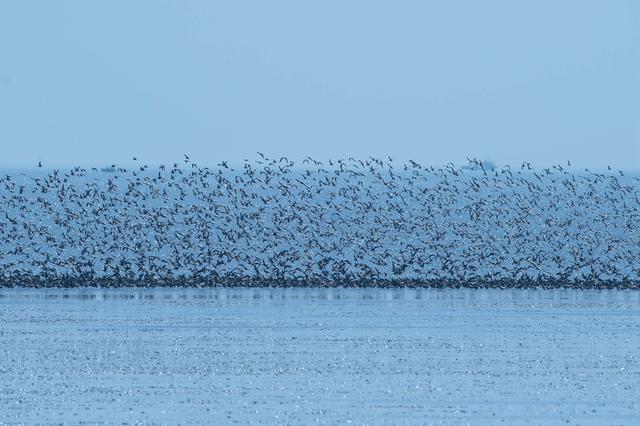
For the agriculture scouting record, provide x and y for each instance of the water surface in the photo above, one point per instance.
(301, 356)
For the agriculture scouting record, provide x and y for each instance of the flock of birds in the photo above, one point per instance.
(348, 222)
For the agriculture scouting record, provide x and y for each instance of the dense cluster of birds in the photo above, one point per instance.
(347, 222)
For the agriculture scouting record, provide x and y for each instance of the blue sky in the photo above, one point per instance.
(97, 82)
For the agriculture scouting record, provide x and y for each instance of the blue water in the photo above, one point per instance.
(308, 355)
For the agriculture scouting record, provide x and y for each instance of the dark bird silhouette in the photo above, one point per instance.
(358, 222)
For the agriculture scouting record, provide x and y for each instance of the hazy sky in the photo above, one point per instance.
(97, 82)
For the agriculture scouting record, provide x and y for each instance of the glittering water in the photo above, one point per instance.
(319, 355)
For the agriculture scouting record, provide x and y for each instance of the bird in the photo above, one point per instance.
(357, 222)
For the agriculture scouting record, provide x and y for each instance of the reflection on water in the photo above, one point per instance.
(330, 294)
(251, 355)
